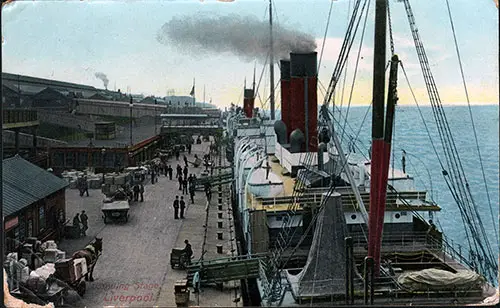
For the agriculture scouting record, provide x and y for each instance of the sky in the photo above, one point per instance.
(73, 40)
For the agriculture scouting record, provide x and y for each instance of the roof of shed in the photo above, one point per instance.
(25, 183)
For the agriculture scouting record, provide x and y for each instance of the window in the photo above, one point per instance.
(41, 217)
(403, 214)
(279, 218)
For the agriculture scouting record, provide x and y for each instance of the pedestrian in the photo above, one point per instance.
(136, 192)
(191, 192)
(179, 171)
(176, 207)
(183, 206)
(77, 222)
(185, 160)
(184, 186)
(180, 182)
(185, 171)
(170, 171)
(86, 186)
(152, 175)
(190, 179)
(188, 250)
(177, 154)
(189, 148)
(141, 191)
(208, 191)
(84, 219)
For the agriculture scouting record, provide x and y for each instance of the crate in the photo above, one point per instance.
(65, 269)
(50, 255)
(80, 266)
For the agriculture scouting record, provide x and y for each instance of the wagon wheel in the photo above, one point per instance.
(80, 288)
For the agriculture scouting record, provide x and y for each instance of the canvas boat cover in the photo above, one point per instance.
(437, 279)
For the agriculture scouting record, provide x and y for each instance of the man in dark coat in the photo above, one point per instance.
(185, 171)
(170, 170)
(181, 181)
(185, 160)
(136, 192)
(184, 186)
(141, 191)
(85, 186)
(84, 219)
(188, 250)
(183, 207)
(208, 191)
(77, 222)
(191, 192)
(176, 207)
(179, 171)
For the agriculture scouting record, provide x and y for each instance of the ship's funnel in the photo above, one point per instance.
(303, 97)
(248, 102)
(285, 95)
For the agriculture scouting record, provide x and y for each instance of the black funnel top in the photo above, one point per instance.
(303, 64)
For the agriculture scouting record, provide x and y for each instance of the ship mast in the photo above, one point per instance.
(271, 57)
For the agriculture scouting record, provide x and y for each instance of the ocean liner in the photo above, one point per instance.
(338, 230)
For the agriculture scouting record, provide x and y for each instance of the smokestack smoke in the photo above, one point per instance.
(246, 37)
(103, 77)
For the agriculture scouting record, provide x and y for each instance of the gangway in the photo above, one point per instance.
(221, 270)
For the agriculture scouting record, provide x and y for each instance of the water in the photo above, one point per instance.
(421, 163)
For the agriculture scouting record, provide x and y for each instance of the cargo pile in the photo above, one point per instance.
(94, 180)
(43, 257)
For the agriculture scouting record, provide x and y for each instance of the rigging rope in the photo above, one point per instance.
(454, 176)
(346, 64)
(390, 28)
(428, 132)
(472, 120)
(324, 37)
(355, 71)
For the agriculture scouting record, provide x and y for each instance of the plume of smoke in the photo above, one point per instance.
(103, 77)
(246, 37)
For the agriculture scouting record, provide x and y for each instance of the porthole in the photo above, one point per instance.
(353, 216)
(397, 216)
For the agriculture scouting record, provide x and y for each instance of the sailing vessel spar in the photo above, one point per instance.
(333, 229)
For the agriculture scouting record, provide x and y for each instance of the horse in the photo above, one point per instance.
(91, 253)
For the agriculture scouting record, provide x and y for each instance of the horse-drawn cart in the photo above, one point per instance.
(72, 271)
(116, 210)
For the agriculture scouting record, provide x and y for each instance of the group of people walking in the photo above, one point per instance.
(80, 221)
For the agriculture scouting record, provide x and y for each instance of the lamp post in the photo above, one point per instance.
(156, 130)
(131, 104)
(103, 153)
